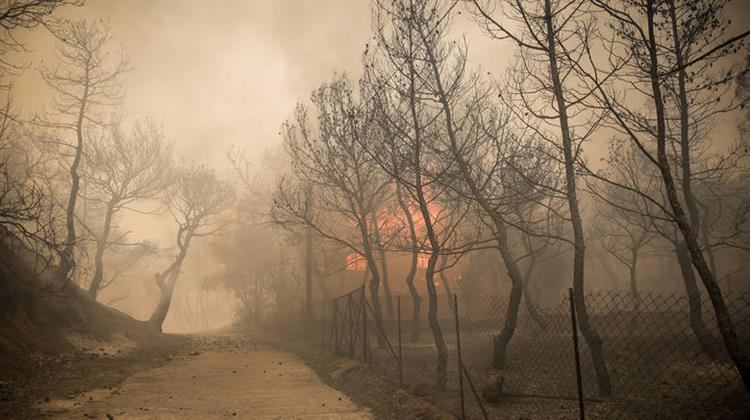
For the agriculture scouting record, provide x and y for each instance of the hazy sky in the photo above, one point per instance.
(216, 73)
(220, 72)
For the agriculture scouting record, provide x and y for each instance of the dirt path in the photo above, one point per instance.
(219, 377)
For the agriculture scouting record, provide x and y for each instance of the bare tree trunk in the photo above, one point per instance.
(386, 283)
(502, 340)
(710, 254)
(415, 298)
(67, 254)
(372, 266)
(726, 325)
(589, 333)
(437, 332)
(166, 282)
(704, 231)
(527, 299)
(695, 306)
(685, 165)
(383, 266)
(416, 308)
(101, 245)
(443, 279)
(632, 269)
(308, 272)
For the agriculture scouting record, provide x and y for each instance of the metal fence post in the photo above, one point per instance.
(579, 379)
(400, 357)
(460, 362)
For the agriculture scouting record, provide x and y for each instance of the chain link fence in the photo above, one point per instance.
(657, 365)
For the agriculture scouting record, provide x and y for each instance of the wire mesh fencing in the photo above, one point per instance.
(663, 352)
(666, 356)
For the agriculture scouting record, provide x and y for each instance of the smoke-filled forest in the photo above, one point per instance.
(434, 209)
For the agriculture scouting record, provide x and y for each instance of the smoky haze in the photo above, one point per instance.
(213, 74)
(221, 74)
(216, 74)
(380, 180)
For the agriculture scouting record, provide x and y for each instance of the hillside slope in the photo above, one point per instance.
(59, 341)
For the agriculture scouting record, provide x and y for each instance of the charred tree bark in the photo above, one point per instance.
(739, 356)
(167, 281)
(503, 339)
(706, 241)
(67, 254)
(695, 306)
(101, 245)
(589, 333)
(632, 270)
(415, 298)
(383, 266)
(374, 284)
(527, 299)
(437, 332)
(386, 283)
(685, 164)
(443, 278)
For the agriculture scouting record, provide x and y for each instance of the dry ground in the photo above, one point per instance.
(216, 376)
